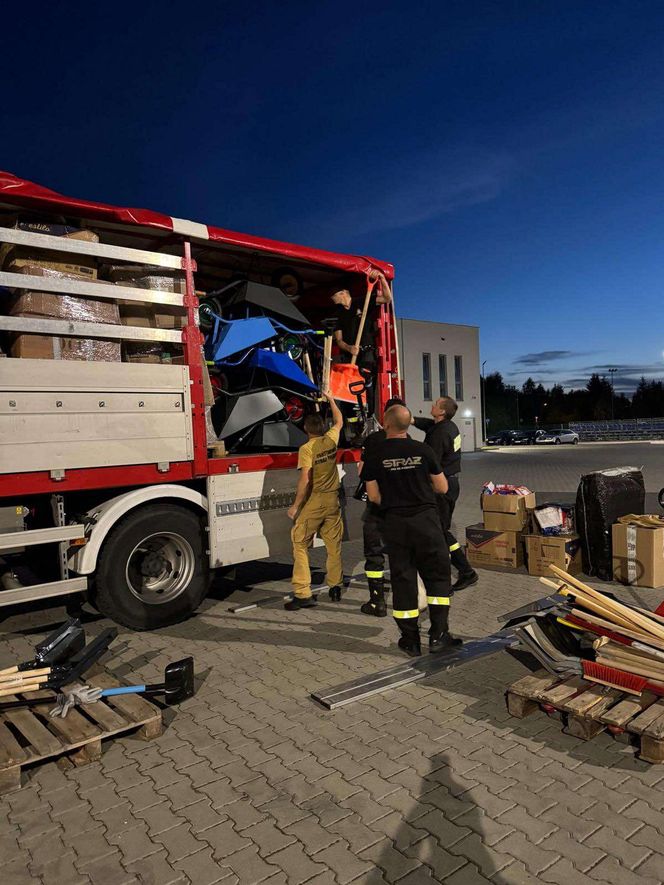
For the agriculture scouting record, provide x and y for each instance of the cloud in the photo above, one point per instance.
(412, 189)
(544, 356)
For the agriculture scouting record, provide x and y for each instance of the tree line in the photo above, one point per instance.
(532, 405)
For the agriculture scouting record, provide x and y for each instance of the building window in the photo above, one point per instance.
(442, 374)
(426, 376)
(458, 378)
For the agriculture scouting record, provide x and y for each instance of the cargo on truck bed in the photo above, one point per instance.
(134, 345)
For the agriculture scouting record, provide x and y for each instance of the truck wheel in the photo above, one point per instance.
(152, 569)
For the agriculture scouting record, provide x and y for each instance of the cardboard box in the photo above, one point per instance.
(487, 548)
(507, 513)
(64, 307)
(47, 347)
(638, 555)
(133, 314)
(545, 550)
(16, 258)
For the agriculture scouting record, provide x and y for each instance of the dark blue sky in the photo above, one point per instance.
(507, 157)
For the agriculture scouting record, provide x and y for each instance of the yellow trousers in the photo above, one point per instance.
(321, 515)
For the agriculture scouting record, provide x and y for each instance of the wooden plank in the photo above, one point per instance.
(582, 728)
(611, 697)
(639, 725)
(11, 751)
(44, 742)
(529, 685)
(136, 709)
(10, 779)
(519, 706)
(74, 728)
(627, 709)
(584, 703)
(560, 692)
(90, 752)
(656, 729)
(651, 750)
(105, 716)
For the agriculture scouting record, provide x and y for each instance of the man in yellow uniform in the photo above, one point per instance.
(316, 509)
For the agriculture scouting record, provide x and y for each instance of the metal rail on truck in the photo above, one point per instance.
(189, 337)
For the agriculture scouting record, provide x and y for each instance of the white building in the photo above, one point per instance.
(442, 359)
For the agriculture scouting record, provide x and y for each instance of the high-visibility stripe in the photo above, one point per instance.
(438, 600)
(457, 443)
(374, 574)
(411, 613)
(454, 547)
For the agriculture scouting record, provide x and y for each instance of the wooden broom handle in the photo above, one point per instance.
(396, 346)
(371, 284)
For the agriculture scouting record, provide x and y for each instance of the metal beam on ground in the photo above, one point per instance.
(394, 677)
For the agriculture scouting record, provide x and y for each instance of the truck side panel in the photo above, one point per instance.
(60, 415)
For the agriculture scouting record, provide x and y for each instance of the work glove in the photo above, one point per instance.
(71, 695)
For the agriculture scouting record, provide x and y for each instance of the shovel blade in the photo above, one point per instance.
(179, 681)
(66, 641)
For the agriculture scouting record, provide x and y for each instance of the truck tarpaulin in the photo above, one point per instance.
(34, 197)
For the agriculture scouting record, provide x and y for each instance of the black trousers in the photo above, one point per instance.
(446, 504)
(415, 543)
(374, 545)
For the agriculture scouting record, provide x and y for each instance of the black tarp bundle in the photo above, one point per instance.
(601, 498)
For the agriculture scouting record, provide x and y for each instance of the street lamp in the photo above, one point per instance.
(483, 401)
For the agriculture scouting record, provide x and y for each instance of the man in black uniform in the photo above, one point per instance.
(372, 522)
(444, 437)
(403, 477)
(348, 316)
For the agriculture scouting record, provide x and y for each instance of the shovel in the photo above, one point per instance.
(64, 642)
(178, 684)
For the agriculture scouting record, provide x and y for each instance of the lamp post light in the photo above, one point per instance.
(484, 419)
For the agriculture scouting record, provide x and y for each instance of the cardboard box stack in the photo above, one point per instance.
(638, 550)
(149, 316)
(498, 541)
(552, 540)
(45, 305)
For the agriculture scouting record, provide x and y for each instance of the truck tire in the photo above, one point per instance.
(152, 569)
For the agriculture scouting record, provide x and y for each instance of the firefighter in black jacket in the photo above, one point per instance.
(372, 533)
(403, 477)
(444, 437)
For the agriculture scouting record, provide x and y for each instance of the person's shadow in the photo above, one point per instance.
(444, 833)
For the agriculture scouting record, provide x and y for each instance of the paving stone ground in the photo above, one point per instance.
(252, 782)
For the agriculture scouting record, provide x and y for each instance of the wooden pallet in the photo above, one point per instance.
(586, 709)
(30, 735)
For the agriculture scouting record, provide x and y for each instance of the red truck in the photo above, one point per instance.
(108, 488)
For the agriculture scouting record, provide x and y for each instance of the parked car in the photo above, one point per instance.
(557, 437)
(527, 437)
(503, 438)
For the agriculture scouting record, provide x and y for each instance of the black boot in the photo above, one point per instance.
(409, 641)
(465, 579)
(460, 562)
(440, 638)
(334, 593)
(410, 645)
(376, 604)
